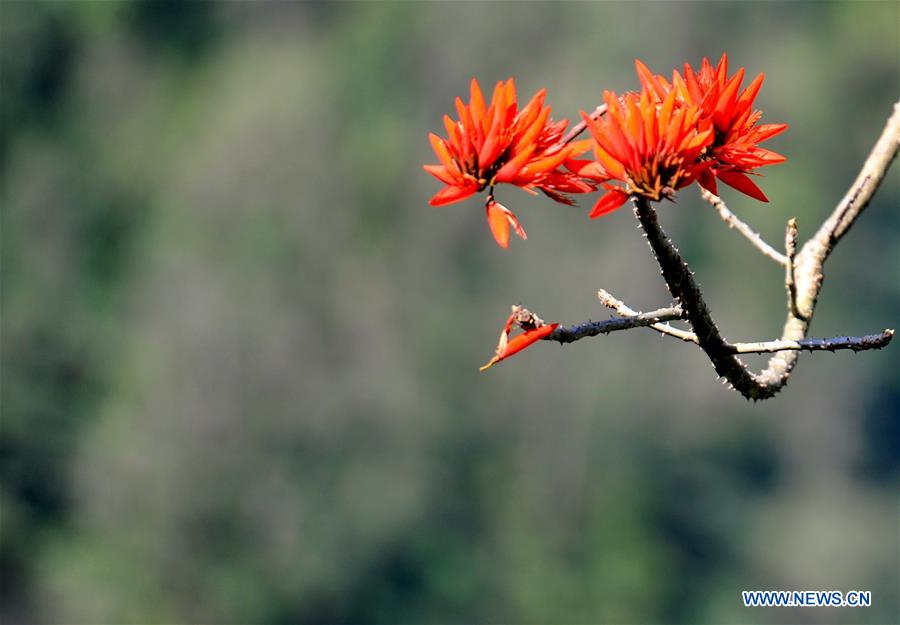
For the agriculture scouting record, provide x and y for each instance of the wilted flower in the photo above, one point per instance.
(735, 149)
(534, 330)
(500, 219)
(499, 143)
(651, 149)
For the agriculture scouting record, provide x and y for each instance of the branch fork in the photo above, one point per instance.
(804, 277)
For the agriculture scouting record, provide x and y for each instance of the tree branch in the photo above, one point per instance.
(736, 224)
(620, 307)
(803, 281)
(593, 328)
(680, 281)
(807, 277)
(809, 264)
(855, 343)
(682, 285)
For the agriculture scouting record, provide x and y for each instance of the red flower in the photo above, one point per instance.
(735, 150)
(500, 143)
(535, 331)
(651, 149)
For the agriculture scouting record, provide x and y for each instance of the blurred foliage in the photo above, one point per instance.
(239, 352)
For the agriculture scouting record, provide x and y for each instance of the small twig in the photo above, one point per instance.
(578, 128)
(607, 299)
(735, 223)
(791, 234)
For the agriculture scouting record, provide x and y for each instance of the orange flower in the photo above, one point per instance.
(652, 150)
(735, 150)
(500, 219)
(499, 143)
(536, 331)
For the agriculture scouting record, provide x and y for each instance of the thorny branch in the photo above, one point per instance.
(854, 343)
(803, 281)
(593, 328)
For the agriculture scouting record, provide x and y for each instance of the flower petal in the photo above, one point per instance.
(476, 103)
(508, 172)
(609, 163)
(707, 180)
(649, 80)
(451, 194)
(588, 169)
(517, 227)
(743, 184)
(580, 147)
(543, 165)
(745, 101)
(767, 131)
(520, 342)
(441, 173)
(499, 224)
(609, 202)
(442, 152)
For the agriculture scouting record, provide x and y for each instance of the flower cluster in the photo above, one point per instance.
(652, 150)
(697, 127)
(700, 127)
(734, 151)
(498, 143)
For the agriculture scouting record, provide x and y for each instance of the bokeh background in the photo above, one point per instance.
(240, 352)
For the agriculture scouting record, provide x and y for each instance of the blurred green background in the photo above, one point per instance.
(240, 352)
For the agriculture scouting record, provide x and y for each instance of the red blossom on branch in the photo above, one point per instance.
(700, 127)
(499, 143)
(735, 150)
(651, 149)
